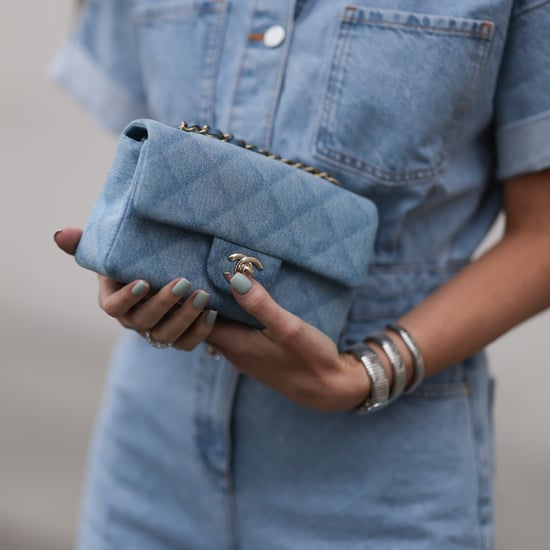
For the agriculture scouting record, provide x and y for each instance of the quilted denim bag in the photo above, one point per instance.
(181, 204)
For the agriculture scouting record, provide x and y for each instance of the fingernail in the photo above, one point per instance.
(211, 317)
(141, 287)
(241, 283)
(57, 233)
(200, 299)
(181, 287)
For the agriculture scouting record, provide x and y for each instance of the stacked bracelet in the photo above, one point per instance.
(380, 393)
(376, 372)
(412, 346)
(396, 362)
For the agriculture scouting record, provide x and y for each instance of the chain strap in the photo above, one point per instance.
(205, 130)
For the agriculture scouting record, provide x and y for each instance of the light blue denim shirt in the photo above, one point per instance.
(407, 102)
(423, 106)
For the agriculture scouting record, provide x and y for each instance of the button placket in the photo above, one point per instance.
(260, 77)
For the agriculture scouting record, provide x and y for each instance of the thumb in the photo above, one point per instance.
(255, 299)
(67, 239)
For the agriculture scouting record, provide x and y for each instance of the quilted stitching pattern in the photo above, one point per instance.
(174, 180)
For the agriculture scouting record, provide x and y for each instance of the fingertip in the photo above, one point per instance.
(211, 317)
(240, 283)
(140, 288)
(67, 239)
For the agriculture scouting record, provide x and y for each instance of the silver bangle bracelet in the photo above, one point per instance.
(378, 377)
(396, 362)
(412, 346)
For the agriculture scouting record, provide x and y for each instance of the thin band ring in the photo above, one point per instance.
(155, 343)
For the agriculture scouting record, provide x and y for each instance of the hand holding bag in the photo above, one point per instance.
(181, 204)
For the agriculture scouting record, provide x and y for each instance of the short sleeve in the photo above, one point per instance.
(523, 92)
(99, 64)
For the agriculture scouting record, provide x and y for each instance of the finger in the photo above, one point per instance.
(117, 299)
(198, 332)
(252, 297)
(67, 239)
(149, 313)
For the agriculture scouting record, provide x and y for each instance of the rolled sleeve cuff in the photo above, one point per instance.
(75, 70)
(524, 146)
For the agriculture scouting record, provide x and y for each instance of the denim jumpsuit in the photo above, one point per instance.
(424, 107)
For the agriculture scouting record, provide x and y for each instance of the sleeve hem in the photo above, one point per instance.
(81, 77)
(524, 146)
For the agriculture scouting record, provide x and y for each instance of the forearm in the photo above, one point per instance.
(506, 286)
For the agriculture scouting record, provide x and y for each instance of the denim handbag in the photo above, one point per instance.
(180, 204)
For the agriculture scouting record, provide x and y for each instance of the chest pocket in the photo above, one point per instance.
(398, 86)
(180, 44)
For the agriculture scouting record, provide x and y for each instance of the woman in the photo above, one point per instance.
(437, 112)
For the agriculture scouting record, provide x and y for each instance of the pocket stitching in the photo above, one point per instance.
(361, 166)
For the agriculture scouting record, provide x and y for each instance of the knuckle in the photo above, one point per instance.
(138, 324)
(262, 305)
(292, 329)
(186, 344)
(109, 307)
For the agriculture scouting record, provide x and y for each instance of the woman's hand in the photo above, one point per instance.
(166, 315)
(290, 356)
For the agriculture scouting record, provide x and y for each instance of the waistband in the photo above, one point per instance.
(391, 291)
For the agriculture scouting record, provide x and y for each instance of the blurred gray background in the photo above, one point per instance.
(54, 341)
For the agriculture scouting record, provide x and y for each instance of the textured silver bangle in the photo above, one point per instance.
(412, 346)
(396, 362)
(380, 388)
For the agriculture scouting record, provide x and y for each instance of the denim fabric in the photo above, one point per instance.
(420, 106)
(180, 203)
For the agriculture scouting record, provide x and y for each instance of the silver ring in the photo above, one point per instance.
(155, 343)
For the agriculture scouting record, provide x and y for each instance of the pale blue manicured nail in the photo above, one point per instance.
(241, 283)
(141, 287)
(200, 299)
(211, 317)
(181, 287)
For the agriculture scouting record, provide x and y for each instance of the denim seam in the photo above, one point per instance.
(242, 64)
(212, 58)
(441, 391)
(478, 62)
(203, 423)
(335, 75)
(484, 466)
(534, 6)
(361, 166)
(167, 11)
(527, 121)
(338, 49)
(276, 98)
(424, 28)
(477, 459)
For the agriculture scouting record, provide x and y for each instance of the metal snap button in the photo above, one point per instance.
(274, 36)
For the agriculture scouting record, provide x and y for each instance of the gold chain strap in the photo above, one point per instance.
(230, 138)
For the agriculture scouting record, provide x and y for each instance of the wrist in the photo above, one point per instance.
(360, 387)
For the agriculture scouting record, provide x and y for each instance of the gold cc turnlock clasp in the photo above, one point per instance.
(245, 265)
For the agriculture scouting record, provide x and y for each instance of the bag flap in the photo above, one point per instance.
(219, 189)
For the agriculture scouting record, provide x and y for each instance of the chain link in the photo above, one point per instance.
(205, 130)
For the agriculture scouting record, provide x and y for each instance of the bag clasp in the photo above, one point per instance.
(245, 265)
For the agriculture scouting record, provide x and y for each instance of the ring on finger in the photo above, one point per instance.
(155, 343)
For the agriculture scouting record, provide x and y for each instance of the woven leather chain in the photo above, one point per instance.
(205, 130)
